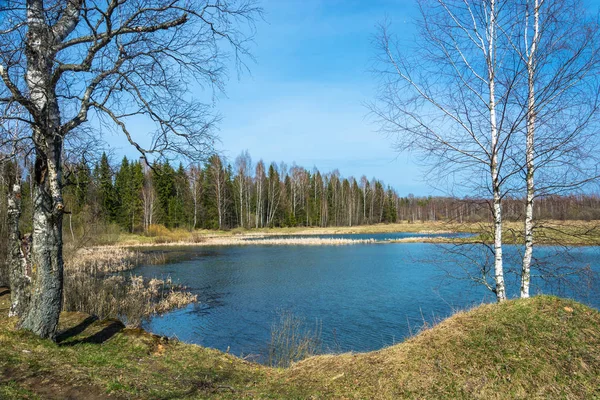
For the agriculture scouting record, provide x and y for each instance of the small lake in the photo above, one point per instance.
(363, 296)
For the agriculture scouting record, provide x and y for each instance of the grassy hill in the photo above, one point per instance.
(544, 347)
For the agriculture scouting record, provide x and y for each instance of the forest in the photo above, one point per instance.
(218, 195)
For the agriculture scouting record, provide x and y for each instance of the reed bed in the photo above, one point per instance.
(309, 241)
(95, 283)
(110, 259)
(252, 239)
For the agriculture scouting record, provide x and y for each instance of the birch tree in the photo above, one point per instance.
(259, 195)
(243, 165)
(66, 62)
(557, 43)
(196, 179)
(449, 101)
(216, 181)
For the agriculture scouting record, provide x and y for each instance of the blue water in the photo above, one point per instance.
(364, 296)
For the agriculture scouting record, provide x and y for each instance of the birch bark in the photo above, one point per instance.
(529, 152)
(500, 289)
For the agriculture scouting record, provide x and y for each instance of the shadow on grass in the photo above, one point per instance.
(75, 330)
(109, 329)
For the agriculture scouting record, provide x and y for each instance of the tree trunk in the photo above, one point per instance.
(41, 317)
(497, 196)
(19, 275)
(46, 252)
(530, 143)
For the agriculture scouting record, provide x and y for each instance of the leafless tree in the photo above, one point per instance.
(71, 61)
(503, 96)
(243, 165)
(260, 189)
(449, 100)
(196, 187)
(557, 44)
(217, 188)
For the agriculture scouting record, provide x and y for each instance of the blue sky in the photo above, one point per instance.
(303, 100)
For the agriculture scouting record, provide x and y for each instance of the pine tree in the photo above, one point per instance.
(164, 183)
(135, 203)
(180, 204)
(83, 179)
(106, 190)
(123, 193)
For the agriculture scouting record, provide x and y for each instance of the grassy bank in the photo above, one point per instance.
(544, 347)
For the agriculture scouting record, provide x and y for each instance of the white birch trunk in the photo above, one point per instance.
(497, 197)
(529, 155)
(19, 274)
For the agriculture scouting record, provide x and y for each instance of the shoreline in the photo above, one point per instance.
(103, 359)
(265, 240)
(549, 233)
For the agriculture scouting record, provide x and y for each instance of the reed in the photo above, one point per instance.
(248, 240)
(95, 283)
(292, 340)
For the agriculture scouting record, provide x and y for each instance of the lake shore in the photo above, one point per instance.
(570, 233)
(543, 347)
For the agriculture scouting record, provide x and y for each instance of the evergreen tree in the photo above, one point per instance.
(137, 184)
(180, 205)
(106, 191)
(123, 193)
(83, 179)
(164, 184)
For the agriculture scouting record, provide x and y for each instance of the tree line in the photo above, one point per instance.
(220, 195)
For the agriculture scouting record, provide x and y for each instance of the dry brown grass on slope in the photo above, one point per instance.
(539, 348)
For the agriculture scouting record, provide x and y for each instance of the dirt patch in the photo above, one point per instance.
(52, 389)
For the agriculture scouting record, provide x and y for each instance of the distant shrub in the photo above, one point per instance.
(197, 238)
(155, 230)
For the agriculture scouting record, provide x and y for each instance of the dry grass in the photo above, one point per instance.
(544, 347)
(540, 348)
(292, 340)
(547, 233)
(246, 240)
(305, 241)
(110, 259)
(95, 283)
